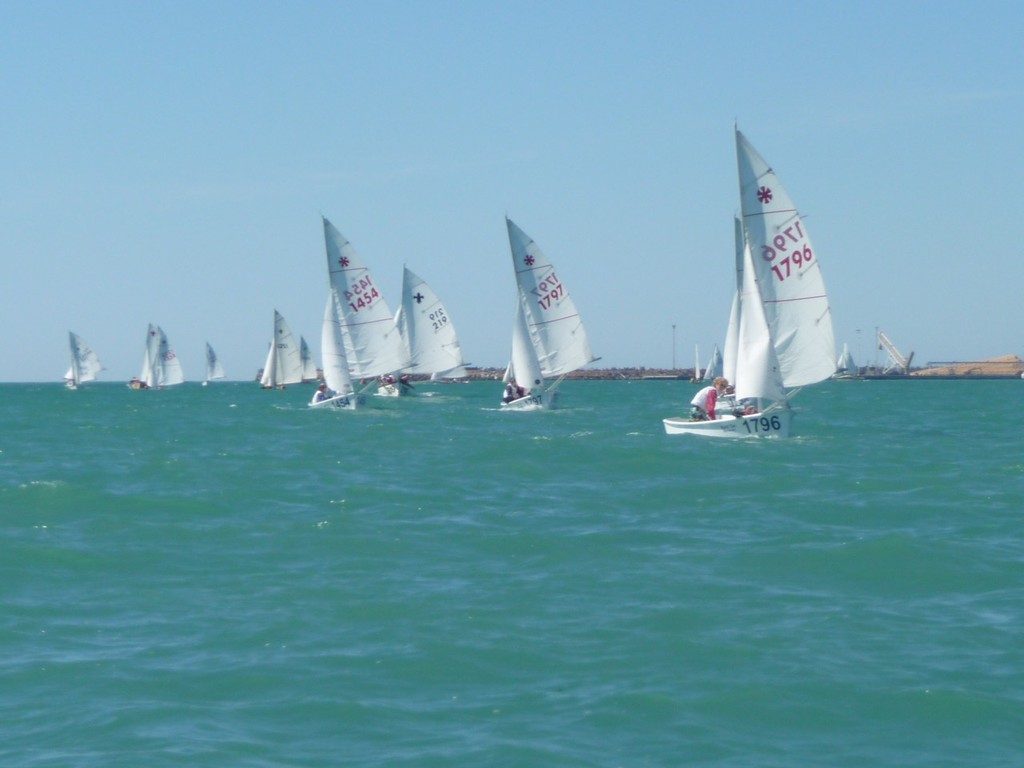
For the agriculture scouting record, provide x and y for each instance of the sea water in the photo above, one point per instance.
(221, 576)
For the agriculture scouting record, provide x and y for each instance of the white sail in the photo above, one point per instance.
(733, 329)
(332, 349)
(160, 364)
(267, 372)
(428, 331)
(150, 374)
(845, 363)
(524, 368)
(214, 370)
(85, 365)
(714, 369)
(308, 364)
(757, 369)
(170, 365)
(373, 345)
(787, 273)
(284, 361)
(556, 329)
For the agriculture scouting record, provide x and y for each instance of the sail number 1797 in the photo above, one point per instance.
(548, 291)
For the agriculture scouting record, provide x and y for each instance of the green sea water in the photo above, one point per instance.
(222, 577)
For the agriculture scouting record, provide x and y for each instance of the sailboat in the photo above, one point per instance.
(784, 338)
(428, 331)
(84, 362)
(548, 337)
(214, 370)
(339, 391)
(845, 367)
(371, 342)
(714, 368)
(284, 364)
(160, 364)
(308, 364)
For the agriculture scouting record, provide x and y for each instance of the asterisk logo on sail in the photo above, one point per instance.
(343, 261)
(529, 260)
(764, 195)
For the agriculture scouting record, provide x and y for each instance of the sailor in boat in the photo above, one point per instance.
(513, 392)
(322, 393)
(702, 407)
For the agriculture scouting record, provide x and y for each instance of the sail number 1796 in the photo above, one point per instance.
(788, 246)
(762, 425)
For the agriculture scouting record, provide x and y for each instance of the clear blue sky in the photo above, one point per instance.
(168, 162)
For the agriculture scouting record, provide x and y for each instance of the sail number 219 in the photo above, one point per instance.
(438, 318)
(787, 245)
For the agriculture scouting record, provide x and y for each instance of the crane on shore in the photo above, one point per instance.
(897, 362)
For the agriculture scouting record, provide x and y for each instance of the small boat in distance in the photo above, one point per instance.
(214, 370)
(85, 365)
(845, 367)
(714, 369)
(284, 363)
(548, 337)
(308, 364)
(160, 364)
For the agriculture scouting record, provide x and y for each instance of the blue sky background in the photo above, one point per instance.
(168, 162)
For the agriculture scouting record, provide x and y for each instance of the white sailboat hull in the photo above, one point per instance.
(394, 389)
(537, 400)
(771, 423)
(340, 402)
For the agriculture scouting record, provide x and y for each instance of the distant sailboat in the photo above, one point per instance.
(284, 363)
(714, 368)
(428, 331)
(845, 367)
(160, 364)
(85, 365)
(308, 364)
(214, 370)
(548, 337)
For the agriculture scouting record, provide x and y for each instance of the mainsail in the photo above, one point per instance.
(373, 345)
(555, 328)
(786, 272)
(214, 370)
(332, 349)
(85, 365)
